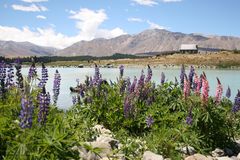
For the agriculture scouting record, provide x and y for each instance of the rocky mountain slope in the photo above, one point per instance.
(14, 49)
(148, 41)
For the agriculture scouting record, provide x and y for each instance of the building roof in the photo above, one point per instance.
(188, 47)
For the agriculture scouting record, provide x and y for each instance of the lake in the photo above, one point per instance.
(69, 76)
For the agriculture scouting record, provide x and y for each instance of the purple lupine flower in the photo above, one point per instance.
(81, 90)
(32, 72)
(236, 105)
(186, 89)
(2, 78)
(44, 78)
(127, 107)
(228, 92)
(149, 121)
(56, 86)
(2, 71)
(190, 76)
(141, 80)
(26, 112)
(74, 100)
(10, 75)
(44, 101)
(121, 68)
(149, 74)
(182, 76)
(19, 74)
(128, 84)
(133, 85)
(97, 75)
(162, 78)
(189, 118)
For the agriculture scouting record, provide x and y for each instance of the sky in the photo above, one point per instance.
(60, 23)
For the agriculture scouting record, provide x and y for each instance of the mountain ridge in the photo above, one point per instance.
(151, 40)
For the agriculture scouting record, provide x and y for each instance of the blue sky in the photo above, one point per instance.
(60, 23)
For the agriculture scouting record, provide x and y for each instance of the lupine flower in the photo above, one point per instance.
(228, 92)
(2, 71)
(219, 91)
(190, 76)
(205, 88)
(186, 88)
(19, 74)
(10, 75)
(44, 78)
(123, 85)
(121, 68)
(162, 78)
(128, 84)
(133, 85)
(182, 76)
(149, 121)
(127, 107)
(189, 118)
(149, 74)
(196, 84)
(56, 86)
(32, 72)
(81, 90)
(74, 100)
(26, 112)
(2, 78)
(44, 101)
(236, 105)
(97, 75)
(141, 81)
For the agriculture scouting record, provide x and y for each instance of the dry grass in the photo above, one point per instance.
(219, 60)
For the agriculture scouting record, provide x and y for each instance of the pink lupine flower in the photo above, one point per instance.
(186, 89)
(197, 84)
(205, 88)
(219, 91)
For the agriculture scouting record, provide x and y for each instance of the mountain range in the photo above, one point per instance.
(154, 40)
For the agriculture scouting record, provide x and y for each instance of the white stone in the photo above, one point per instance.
(148, 155)
(189, 150)
(218, 153)
(223, 158)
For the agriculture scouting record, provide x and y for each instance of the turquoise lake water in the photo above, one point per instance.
(69, 75)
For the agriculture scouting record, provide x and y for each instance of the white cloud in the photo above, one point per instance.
(33, 1)
(133, 19)
(31, 8)
(87, 21)
(146, 2)
(41, 17)
(154, 25)
(171, 1)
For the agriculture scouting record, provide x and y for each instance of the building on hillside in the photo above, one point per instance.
(189, 48)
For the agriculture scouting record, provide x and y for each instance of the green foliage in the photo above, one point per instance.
(214, 125)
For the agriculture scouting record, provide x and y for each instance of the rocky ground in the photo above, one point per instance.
(104, 145)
